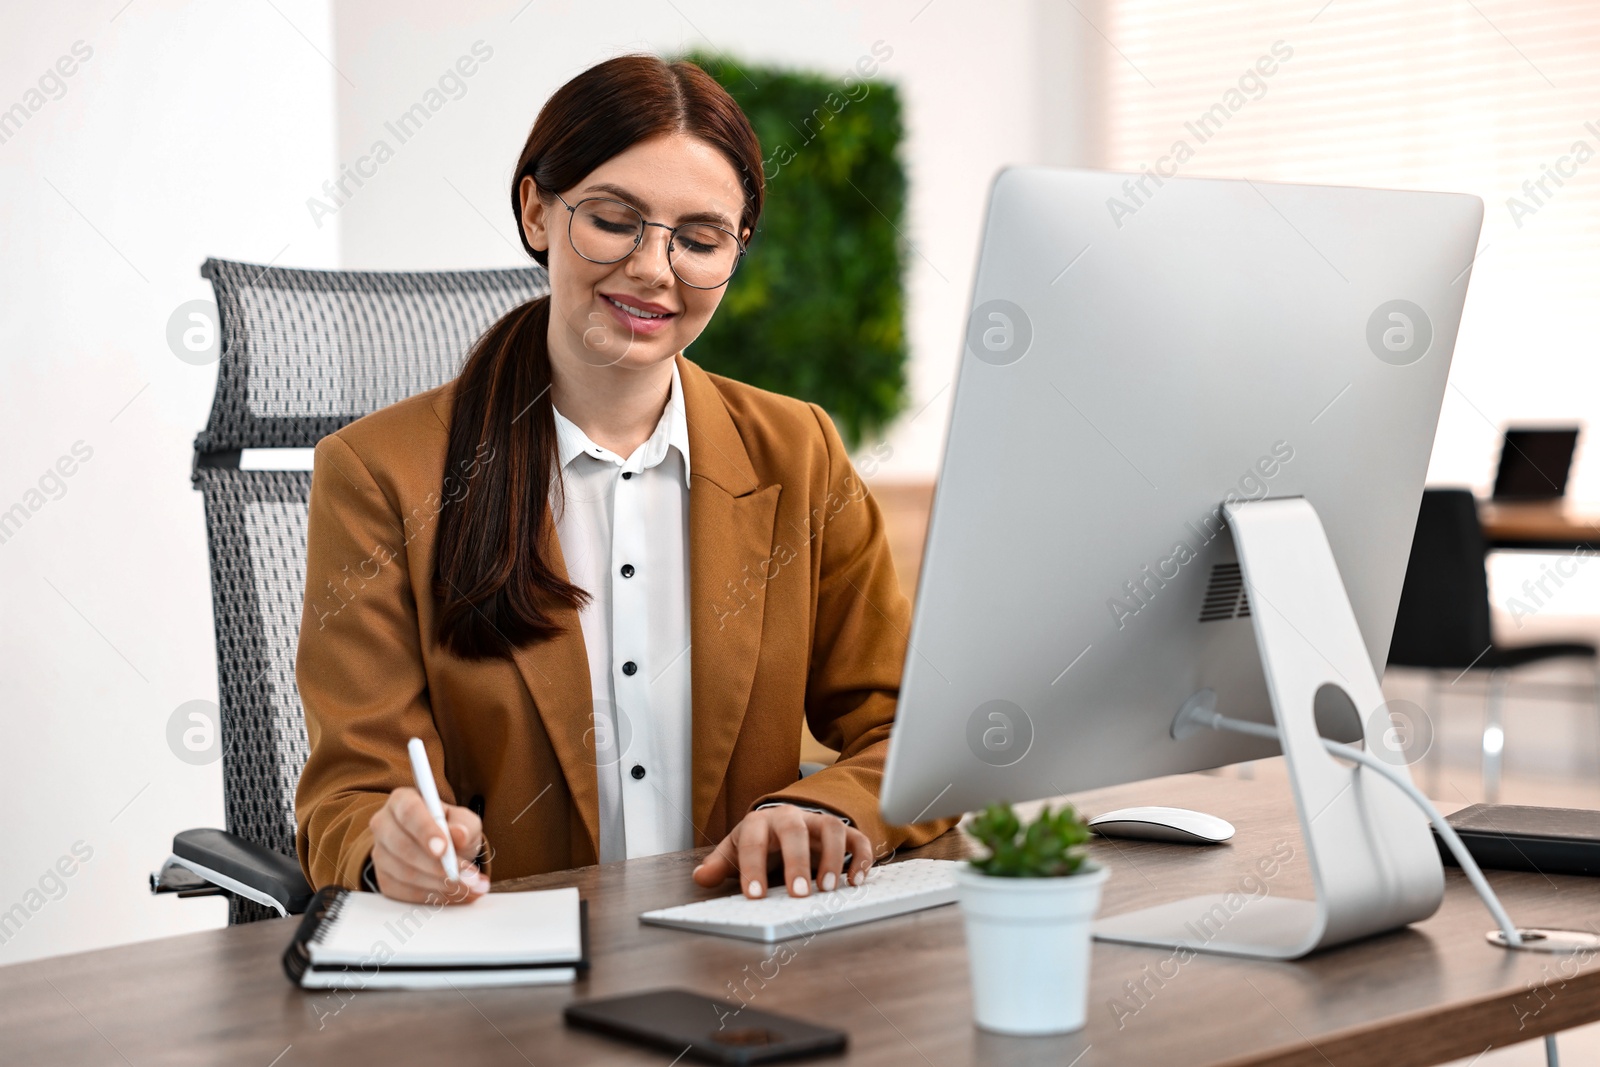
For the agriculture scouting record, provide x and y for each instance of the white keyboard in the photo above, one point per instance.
(890, 890)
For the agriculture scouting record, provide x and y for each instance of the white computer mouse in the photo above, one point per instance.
(1163, 824)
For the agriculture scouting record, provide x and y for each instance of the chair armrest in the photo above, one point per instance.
(253, 871)
(174, 877)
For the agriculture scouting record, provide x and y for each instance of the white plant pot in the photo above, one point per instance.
(1028, 948)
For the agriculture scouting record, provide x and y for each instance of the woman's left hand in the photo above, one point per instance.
(798, 834)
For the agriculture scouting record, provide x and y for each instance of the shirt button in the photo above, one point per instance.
(630, 667)
(627, 474)
(638, 771)
(627, 570)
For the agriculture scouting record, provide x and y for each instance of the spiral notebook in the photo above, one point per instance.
(351, 940)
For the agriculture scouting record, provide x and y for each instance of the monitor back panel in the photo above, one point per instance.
(1127, 368)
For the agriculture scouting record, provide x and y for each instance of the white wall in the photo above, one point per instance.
(190, 130)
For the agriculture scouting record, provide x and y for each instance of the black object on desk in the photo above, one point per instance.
(1535, 462)
(1510, 837)
(704, 1028)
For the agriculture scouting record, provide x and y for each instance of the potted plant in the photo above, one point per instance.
(1027, 906)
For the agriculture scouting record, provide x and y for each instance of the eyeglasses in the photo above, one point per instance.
(603, 230)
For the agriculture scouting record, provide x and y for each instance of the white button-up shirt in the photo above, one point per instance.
(624, 534)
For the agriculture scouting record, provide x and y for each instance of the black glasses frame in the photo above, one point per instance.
(638, 239)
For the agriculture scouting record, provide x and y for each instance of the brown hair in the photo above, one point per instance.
(491, 575)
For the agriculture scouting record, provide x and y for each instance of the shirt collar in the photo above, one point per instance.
(672, 431)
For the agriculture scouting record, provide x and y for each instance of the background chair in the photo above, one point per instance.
(1443, 624)
(303, 353)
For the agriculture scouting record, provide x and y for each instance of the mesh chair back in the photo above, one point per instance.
(304, 353)
(1443, 619)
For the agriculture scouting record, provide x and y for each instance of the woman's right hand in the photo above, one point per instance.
(407, 844)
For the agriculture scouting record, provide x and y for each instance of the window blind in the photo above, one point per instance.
(1498, 99)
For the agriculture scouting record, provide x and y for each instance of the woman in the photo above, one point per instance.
(541, 567)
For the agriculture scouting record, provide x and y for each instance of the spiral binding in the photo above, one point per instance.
(319, 918)
(330, 915)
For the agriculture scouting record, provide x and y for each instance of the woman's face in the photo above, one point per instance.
(667, 178)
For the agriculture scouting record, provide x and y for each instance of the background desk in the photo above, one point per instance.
(1432, 993)
(1552, 527)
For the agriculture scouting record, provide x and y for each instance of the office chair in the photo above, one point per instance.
(303, 353)
(1443, 621)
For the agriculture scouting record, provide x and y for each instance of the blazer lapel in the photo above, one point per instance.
(556, 673)
(731, 518)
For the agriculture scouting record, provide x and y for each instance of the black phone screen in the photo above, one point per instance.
(704, 1028)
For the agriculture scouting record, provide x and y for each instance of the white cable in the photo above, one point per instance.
(1463, 857)
(1446, 831)
(1218, 721)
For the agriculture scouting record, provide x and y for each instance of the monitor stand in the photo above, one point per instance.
(1373, 862)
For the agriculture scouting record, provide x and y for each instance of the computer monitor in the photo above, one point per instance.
(1534, 463)
(1140, 354)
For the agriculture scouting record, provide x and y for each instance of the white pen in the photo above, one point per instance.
(421, 770)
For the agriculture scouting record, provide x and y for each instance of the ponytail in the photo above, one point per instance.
(492, 578)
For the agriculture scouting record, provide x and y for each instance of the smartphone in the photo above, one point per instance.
(704, 1028)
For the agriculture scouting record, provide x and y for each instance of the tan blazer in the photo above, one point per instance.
(795, 611)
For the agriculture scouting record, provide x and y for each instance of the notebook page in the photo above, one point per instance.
(392, 979)
(371, 930)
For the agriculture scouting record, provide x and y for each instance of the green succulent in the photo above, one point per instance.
(1048, 847)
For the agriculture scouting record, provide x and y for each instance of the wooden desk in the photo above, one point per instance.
(1432, 993)
(1551, 527)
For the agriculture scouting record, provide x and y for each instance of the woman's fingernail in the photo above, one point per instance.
(755, 889)
(800, 887)
(436, 846)
(858, 877)
(828, 882)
